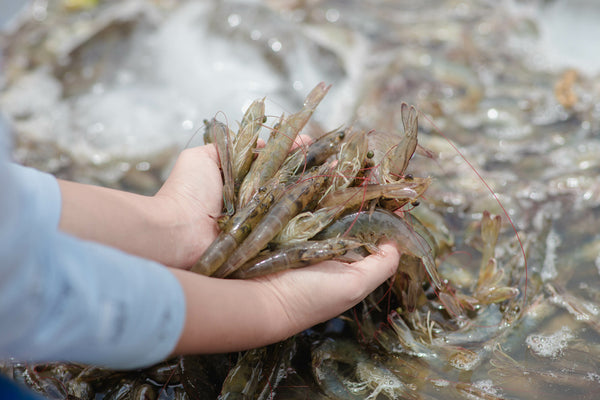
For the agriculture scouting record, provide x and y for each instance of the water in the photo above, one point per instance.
(513, 84)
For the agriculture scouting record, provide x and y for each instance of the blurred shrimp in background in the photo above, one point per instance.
(109, 92)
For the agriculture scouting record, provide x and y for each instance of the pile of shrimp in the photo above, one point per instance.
(339, 198)
(336, 198)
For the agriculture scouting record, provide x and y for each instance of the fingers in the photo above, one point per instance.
(356, 280)
(378, 267)
(306, 296)
(199, 154)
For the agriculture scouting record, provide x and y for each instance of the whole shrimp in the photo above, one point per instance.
(327, 357)
(351, 158)
(293, 201)
(307, 224)
(373, 227)
(345, 371)
(295, 256)
(304, 158)
(404, 191)
(236, 229)
(243, 379)
(390, 154)
(221, 136)
(280, 142)
(245, 141)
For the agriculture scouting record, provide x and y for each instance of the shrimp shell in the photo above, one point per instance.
(277, 148)
(245, 141)
(236, 229)
(378, 225)
(403, 191)
(296, 199)
(295, 256)
(221, 135)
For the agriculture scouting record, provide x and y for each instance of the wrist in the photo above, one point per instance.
(185, 234)
(119, 219)
(240, 315)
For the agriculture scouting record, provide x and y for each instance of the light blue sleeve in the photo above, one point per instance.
(65, 299)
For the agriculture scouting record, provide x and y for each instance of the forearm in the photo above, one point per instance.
(139, 225)
(226, 315)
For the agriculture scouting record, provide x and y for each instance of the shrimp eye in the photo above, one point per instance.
(264, 119)
(415, 203)
(341, 135)
(409, 177)
(370, 154)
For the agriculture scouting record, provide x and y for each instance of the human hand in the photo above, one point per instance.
(306, 296)
(224, 315)
(191, 200)
(256, 312)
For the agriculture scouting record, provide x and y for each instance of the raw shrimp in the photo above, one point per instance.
(351, 158)
(373, 227)
(404, 191)
(391, 154)
(306, 225)
(236, 229)
(295, 256)
(346, 371)
(277, 148)
(490, 229)
(221, 135)
(326, 359)
(245, 141)
(302, 159)
(242, 381)
(295, 200)
(399, 158)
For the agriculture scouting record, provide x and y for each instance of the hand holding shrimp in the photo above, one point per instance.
(223, 314)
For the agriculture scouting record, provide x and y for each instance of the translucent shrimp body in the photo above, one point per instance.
(277, 148)
(292, 202)
(222, 137)
(295, 256)
(404, 191)
(391, 151)
(236, 230)
(245, 141)
(379, 225)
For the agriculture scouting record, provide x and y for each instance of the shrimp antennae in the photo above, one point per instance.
(494, 195)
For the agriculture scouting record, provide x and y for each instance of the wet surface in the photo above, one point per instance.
(111, 93)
